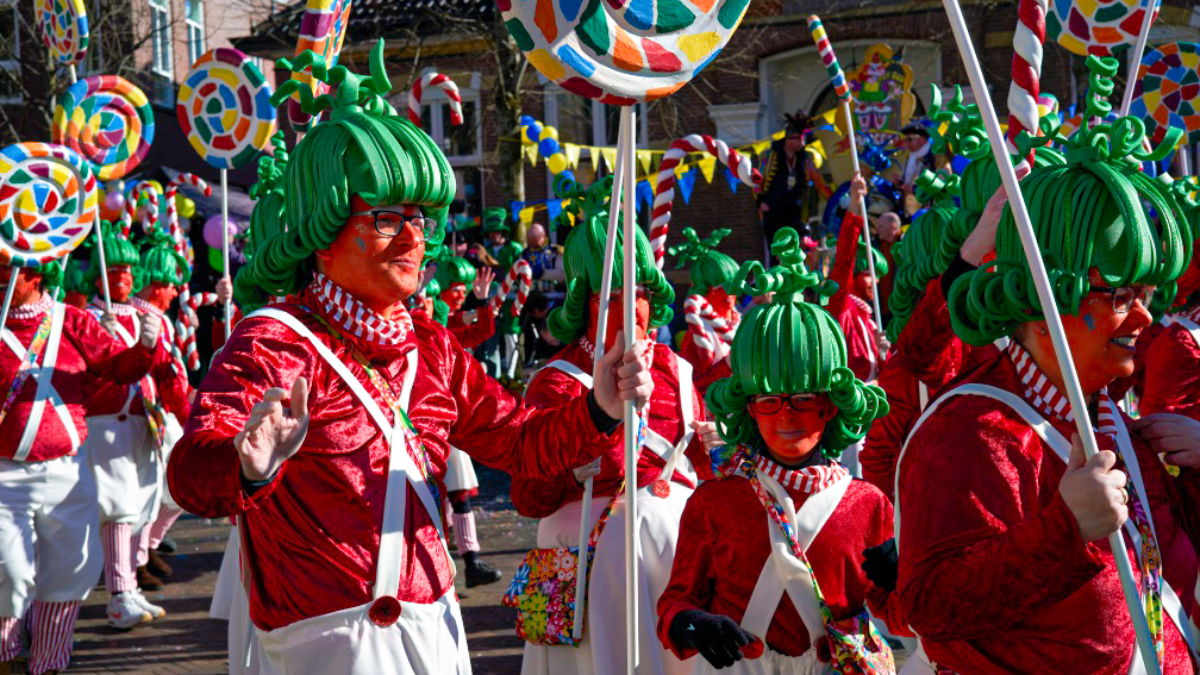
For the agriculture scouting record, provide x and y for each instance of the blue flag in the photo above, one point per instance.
(685, 184)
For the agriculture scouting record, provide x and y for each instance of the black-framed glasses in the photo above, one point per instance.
(772, 404)
(1124, 297)
(391, 223)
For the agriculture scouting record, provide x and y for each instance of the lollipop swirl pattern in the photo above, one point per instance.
(322, 29)
(621, 52)
(48, 202)
(108, 121)
(1095, 26)
(224, 108)
(64, 28)
(1168, 91)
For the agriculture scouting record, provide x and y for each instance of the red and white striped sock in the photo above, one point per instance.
(167, 515)
(141, 545)
(464, 532)
(10, 638)
(120, 574)
(53, 634)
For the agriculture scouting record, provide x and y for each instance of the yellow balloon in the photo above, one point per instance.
(157, 185)
(548, 132)
(185, 207)
(556, 163)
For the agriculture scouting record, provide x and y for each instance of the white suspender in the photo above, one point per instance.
(43, 375)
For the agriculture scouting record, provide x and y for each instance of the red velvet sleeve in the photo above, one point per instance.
(886, 605)
(106, 358)
(843, 263)
(692, 575)
(887, 434)
(473, 335)
(927, 345)
(696, 453)
(986, 541)
(1173, 375)
(172, 387)
(541, 497)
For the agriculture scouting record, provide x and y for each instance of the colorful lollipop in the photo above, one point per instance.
(48, 202)
(621, 51)
(1095, 26)
(64, 27)
(109, 121)
(224, 108)
(836, 76)
(322, 29)
(1168, 91)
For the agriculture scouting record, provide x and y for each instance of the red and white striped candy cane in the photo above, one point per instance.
(664, 195)
(1028, 41)
(172, 216)
(186, 335)
(188, 338)
(130, 212)
(521, 273)
(711, 333)
(432, 78)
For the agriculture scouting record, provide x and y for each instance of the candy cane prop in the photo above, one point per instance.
(843, 94)
(1058, 336)
(522, 274)
(187, 338)
(149, 218)
(664, 194)
(698, 312)
(1026, 87)
(185, 333)
(432, 78)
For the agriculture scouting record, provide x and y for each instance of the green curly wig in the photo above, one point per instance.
(921, 255)
(1090, 212)
(451, 270)
(860, 261)
(160, 262)
(364, 149)
(583, 262)
(790, 346)
(495, 219)
(708, 268)
(118, 250)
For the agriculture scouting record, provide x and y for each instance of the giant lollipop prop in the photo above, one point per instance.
(225, 110)
(1097, 27)
(1168, 91)
(522, 275)
(664, 193)
(64, 28)
(1045, 294)
(432, 79)
(322, 29)
(48, 203)
(843, 93)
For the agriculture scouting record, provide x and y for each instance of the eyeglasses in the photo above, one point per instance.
(771, 405)
(1124, 297)
(392, 223)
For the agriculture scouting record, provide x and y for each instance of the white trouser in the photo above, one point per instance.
(49, 544)
(229, 602)
(425, 640)
(128, 473)
(849, 458)
(172, 432)
(770, 663)
(602, 650)
(460, 472)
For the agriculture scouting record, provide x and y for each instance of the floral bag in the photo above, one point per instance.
(543, 589)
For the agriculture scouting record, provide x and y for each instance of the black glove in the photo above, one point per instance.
(718, 638)
(881, 564)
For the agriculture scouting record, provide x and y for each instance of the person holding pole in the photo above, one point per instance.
(344, 559)
(1003, 524)
(672, 455)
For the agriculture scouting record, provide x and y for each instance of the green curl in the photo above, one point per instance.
(923, 254)
(451, 270)
(118, 250)
(709, 268)
(160, 262)
(790, 346)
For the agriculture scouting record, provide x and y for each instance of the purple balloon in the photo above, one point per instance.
(114, 201)
(212, 231)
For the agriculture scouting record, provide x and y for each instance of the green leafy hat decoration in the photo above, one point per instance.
(583, 262)
(1089, 212)
(160, 262)
(860, 260)
(495, 219)
(708, 268)
(923, 254)
(364, 148)
(789, 346)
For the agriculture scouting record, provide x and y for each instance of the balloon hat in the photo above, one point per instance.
(708, 268)
(160, 262)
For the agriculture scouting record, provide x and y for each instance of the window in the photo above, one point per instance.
(195, 30)
(10, 53)
(589, 123)
(160, 38)
(93, 58)
(462, 143)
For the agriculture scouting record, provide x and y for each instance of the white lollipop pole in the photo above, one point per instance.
(628, 120)
(13, 271)
(225, 246)
(862, 207)
(1135, 57)
(1053, 320)
(610, 246)
(103, 266)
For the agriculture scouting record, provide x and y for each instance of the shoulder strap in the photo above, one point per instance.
(124, 334)
(43, 375)
(570, 369)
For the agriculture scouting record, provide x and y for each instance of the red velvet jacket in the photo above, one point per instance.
(855, 318)
(88, 358)
(474, 334)
(550, 388)
(1171, 373)
(311, 535)
(172, 387)
(993, 572)
(705, 370)
(724, 542)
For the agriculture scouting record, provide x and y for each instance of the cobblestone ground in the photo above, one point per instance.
(186, 641)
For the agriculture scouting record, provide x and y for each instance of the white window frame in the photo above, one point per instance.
(162, 47)
(599, 124)
(439, 124)
(14, 62)
(196, 41)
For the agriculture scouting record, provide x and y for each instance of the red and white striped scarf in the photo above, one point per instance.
(865, 307)
(809, 479)
(1192, 314)
(118, 308)
(356, 318)
(1049, 400)
(32, 310)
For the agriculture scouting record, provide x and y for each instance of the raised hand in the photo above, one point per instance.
(1094, 492)
(582, 473)
(858, 191)
(623, 377)
(707, 431)
(272, 434)
(149, 325)
(982, 239)
(224, 290)
(483, 282)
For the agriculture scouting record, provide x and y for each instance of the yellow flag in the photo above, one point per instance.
(646, 159)
(531, 153)
(610, 158)
(760, 148)
(682, 168)
(572, 152)
(527, 215)
(708, 166)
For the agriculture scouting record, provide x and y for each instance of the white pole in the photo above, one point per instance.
(629, 120)
(8, 295)
(1185, 168)
(610, 248)
(103, 266)
(225, 246)
(862, 206)
(1053, 321)
(71, 75)
(1135, 57)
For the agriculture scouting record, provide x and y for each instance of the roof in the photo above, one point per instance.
(369, 20)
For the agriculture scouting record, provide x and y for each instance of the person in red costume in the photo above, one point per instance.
(48, 508)
(711, 311)
(1004, 565)
(668, 464)
(126, 431)
(773, 551)
(325, 422)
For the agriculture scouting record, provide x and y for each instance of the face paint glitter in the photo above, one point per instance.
(1090, 321)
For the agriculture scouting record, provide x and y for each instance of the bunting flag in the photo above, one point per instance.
(516, 208)
(646, 159)
(531, 153)
(733, 180)
(645, 194)
(760, 148)
(526, 215)
(708, 166)
(572, 152)
(685, 184)
(610, 158)
(553, 208)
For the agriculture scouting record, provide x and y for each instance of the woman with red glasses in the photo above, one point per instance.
(773, 551)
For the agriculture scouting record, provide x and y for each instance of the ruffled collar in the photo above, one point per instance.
(351, 315)
(118, 308)
(32, 310)
(143, 306)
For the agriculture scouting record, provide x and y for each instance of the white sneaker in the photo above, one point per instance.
(124, 611)
(155, 611)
